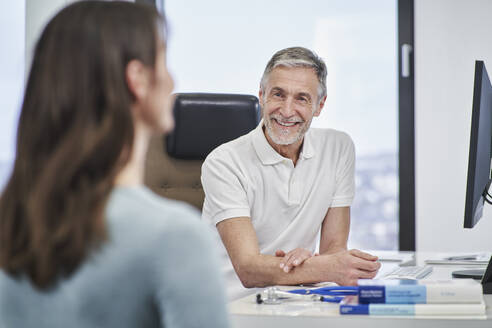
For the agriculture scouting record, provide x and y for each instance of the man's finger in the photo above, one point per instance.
(366, 275)
(283, 262)
(363, 255)
(298, 260)
(279, 253)
(369, 266)
(298, 257)
(288, 261)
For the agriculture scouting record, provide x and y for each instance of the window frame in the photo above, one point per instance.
(406, 129)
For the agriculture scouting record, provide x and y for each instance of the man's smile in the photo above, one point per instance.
(286, 124)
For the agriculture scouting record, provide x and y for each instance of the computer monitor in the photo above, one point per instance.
(478, 181)
(479, 174)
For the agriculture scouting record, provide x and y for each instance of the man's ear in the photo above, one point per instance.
(137, 78)
(320, 106)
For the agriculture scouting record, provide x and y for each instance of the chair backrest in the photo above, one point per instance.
(203, 122)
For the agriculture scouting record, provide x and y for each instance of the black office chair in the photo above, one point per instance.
(203, 122)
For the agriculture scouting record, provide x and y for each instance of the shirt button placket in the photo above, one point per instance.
(294, 193)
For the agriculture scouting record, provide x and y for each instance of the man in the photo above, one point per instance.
(271, 192)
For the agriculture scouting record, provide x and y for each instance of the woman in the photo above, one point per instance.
(82, 242)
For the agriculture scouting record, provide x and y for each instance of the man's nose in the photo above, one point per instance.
(287, 109)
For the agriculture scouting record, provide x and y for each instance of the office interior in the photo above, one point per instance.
(448, 37)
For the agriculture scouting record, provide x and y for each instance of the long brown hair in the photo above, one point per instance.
(75, 133)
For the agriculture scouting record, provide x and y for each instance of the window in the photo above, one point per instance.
(226, 46)
(12, 22)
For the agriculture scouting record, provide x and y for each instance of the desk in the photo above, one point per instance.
(246, 313)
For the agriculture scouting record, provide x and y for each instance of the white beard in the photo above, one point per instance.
(284, 137)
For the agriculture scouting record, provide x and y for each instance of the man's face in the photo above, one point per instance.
(289, 102)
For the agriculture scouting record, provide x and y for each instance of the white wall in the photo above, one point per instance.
(12, 36)
(38, 13)
(449, 36)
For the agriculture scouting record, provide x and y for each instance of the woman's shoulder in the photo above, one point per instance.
(142, 199)
(138, 210)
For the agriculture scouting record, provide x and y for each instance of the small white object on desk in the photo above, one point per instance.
(461, 259)
(402, 258)
(409, 272)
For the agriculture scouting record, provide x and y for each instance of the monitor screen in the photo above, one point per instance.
(480, 147)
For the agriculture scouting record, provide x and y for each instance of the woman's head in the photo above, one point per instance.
(98, 69)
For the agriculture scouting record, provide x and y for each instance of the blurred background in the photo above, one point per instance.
(223, 46)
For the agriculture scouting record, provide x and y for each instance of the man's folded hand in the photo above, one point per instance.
(293, 258)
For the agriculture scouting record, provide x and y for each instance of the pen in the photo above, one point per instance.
(462, 258)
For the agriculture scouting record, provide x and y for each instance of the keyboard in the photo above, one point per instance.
(409, 272)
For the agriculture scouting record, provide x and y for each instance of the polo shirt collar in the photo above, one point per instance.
(307, 150)
(268, 155)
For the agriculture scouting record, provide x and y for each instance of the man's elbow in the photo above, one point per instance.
(247, 282)
(249, 277)
(246, 277)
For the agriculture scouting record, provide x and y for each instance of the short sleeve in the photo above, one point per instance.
(225, 189)
(345, 174)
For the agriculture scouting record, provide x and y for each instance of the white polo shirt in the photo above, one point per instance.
(246, 177)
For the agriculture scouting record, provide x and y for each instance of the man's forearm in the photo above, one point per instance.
(334, 248)
(264, 270)
(344, 268)
(335, 230)
(257, 270)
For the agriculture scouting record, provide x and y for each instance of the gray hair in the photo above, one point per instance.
(297, 57)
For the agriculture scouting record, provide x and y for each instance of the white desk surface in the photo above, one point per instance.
(246, 313)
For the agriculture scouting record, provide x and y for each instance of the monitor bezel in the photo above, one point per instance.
(474, 205)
